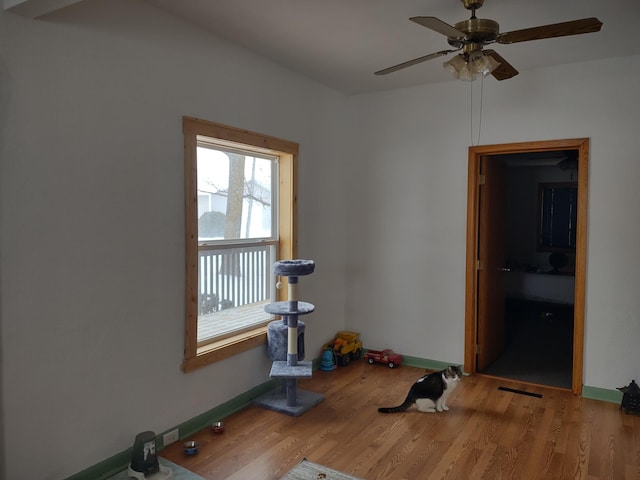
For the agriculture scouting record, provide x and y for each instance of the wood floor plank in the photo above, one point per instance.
(487, 433)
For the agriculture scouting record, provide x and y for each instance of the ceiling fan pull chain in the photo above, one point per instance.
(480, 113)
(471, 112)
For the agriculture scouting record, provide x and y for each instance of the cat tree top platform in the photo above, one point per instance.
(293, 268)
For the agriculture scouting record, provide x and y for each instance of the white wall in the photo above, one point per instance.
(92, 223)
(405, 264)
(91, 217)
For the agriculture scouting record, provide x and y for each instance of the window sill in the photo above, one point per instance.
(228, 347)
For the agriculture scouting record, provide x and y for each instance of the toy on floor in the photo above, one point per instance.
(387, 356)
(328, 360)
(346, 347)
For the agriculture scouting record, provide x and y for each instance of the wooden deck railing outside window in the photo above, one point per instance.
(234, 284)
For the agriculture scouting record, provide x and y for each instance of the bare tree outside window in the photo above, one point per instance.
(238, 188)
(235, 200)
(235, 196)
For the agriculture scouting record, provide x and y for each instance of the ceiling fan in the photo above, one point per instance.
(472, 35)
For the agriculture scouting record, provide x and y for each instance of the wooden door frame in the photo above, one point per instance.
(471, 286)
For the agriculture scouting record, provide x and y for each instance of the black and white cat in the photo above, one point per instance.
(430, 392)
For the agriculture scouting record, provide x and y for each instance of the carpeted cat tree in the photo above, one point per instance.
(286, 344)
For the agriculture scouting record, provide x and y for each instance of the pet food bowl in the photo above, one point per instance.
(217, 427)
(191, 447)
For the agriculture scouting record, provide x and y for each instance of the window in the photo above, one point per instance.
(240, 218)
(558, 207)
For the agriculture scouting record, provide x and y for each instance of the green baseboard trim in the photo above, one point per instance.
(593, 393)
(120, 461)
(106, 468)
(425, 363)
(604, 394)
(220, 412)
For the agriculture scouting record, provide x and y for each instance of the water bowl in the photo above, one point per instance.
(217, 427)
(190, 447)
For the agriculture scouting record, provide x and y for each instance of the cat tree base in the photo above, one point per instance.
(277, 402)
(289, 399)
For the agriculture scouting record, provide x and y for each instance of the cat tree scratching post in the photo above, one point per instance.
(287, 365)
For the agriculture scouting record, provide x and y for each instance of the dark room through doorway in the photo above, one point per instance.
(539, 270)
(525, 262)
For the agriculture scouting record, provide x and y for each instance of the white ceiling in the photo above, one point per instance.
(340, 43)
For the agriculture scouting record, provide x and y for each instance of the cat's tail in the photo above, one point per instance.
(400, 408)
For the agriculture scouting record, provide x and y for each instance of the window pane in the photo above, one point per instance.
(234, 286)
(235, 195)
(558, 216)
(235, 239)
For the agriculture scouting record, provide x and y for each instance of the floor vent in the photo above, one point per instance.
(521, 392)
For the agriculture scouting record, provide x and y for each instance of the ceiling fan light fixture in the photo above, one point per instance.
(466, 75)
(467, 68)
(481, 64)
(455, 65)
(459, 68)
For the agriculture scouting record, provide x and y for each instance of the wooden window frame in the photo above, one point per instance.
(287, 152)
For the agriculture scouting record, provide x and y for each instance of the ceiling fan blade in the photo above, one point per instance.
(438, 25)
(505, 70)
(415, 61)
(575, 27)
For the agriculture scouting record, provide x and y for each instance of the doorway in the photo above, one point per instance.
(486, 264)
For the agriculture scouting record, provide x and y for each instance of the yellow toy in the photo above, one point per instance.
(346, 347)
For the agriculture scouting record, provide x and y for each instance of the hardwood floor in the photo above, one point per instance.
(487, 433)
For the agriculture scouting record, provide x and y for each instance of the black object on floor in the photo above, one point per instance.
(521, 392)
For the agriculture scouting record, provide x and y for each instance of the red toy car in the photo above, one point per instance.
(384, 356)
